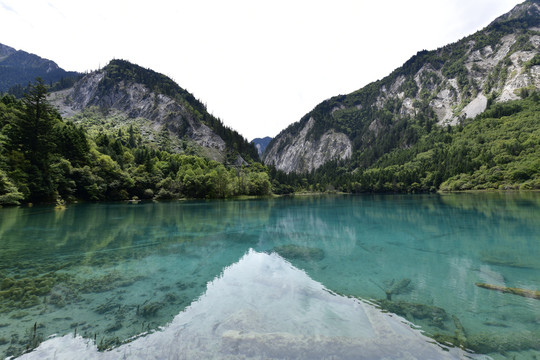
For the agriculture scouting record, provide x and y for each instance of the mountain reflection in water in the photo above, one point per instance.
(262, 308)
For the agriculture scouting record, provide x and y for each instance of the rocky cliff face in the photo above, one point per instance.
(440, 87)
(135, 100)
(301, 154)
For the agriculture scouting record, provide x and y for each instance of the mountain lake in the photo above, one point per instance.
(440, 276)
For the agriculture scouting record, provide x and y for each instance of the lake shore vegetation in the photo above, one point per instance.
(44, 158)
(91, 157)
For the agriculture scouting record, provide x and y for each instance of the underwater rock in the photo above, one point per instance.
(150, 309)
(460, 332)
(19, 315)
(533, 294)
(297, 252)
(185, 285)
(57, 299)
(114, 327)
(418, 311)
(401, 287)
(104, 283)
(61, 295)
(499, 343)
(106, 307)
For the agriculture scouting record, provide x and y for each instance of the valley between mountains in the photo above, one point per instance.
(461, 117)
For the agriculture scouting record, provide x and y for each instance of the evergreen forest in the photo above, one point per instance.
(44, 158)
(497, 150)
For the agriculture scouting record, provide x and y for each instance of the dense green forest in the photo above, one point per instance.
(498, 150)
(44, 158)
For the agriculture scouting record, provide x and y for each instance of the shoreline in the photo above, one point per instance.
(275, 196)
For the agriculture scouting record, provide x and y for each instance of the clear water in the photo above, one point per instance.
(316, 277)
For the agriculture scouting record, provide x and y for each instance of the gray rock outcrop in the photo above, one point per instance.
(134, 100)
(300, 154)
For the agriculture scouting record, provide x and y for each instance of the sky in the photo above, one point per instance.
(258, 65)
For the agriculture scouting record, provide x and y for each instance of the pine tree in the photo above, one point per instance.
(35, 138)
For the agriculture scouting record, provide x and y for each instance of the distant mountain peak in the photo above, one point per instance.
(18, 68)
(26, 60)
(528, 9)
(261, 144)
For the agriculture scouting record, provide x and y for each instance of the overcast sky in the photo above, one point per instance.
(257, 65)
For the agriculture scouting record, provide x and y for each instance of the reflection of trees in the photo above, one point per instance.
(158, 254)
(473, 224)
(513, 205)
(101, 233)
(477, 226)
(306, 224)
(443, 244)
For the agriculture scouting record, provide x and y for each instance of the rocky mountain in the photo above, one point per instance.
(434, 88)
(128, 90)
(261, 144)
(18, 67)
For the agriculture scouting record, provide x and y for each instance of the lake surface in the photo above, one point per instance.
(330, 277)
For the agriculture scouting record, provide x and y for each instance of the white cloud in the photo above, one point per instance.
(6, 7)
(258, 65)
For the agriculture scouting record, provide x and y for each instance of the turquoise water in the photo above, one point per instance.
(279, 272)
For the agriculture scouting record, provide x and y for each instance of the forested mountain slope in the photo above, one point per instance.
(497, 150)
(434, 89)
(161, 108)
(120, 133)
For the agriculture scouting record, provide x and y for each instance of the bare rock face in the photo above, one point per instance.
(451, 103)
(476, 106)
(134, 100)
(299, 154)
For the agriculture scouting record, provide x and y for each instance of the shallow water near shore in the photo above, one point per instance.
(271, 278)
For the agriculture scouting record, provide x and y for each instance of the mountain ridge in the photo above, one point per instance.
(261, 144)
(135, 92)
(433, 88)
(18, 68)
